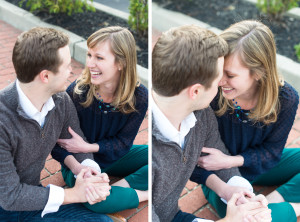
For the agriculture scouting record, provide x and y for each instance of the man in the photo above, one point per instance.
(34, 113)
(187, 64)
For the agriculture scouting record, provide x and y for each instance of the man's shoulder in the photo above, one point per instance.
(204, 114)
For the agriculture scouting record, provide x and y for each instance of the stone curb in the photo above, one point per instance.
(163, 19)
(109, 10)
(23, 20)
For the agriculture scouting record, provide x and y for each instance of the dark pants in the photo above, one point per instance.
(66, 213)
(183, 217)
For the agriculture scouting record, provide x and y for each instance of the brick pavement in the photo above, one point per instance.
(51, 173)
(192, 199)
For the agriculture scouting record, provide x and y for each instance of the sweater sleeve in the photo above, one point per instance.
(14, 195)
(213, 140)
(72, 121)
(116, 146)
(262, 157)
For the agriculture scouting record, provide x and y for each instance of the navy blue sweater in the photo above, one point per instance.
(260, 145)
(114, 131)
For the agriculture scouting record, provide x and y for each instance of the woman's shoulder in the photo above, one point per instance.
(141, 94)
(288, 96)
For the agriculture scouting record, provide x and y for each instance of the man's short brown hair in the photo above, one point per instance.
(37, 50)
(185, 56)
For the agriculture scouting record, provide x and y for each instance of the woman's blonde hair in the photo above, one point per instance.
(254, 43)
(122, 46)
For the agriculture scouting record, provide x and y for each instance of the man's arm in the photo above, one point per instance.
(72, 121)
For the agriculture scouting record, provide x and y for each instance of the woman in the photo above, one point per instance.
(111, 106)
(255, 111)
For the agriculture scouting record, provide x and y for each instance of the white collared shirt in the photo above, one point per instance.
(168, 130)
(56, 194)
(31, 111)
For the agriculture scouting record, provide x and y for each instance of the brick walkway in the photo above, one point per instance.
(51, 173)
(192, 199)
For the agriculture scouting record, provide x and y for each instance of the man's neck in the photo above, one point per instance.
(37, 95)
(175, 108)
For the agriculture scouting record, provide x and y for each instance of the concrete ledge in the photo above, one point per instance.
(23, 20)
(111, 11)
(290, 71)
(164, 19)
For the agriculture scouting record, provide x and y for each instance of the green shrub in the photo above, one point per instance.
(276, 8)
(59, 6)
(138, 18)
(297, 50)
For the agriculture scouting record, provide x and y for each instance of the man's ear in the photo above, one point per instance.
(44, 76)
(195, 90)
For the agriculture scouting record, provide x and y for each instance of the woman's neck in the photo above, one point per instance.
(248, 101)
(107, 92)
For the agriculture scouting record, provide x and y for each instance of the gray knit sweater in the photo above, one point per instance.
(172, 166)
(24, 147)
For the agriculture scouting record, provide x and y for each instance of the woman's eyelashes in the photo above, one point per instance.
(97, 57)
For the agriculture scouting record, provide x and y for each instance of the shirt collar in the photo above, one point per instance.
(29, 108)
(167, 129)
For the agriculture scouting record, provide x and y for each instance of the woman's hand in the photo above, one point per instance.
(215, 160)
(247, 212)
(76, 144)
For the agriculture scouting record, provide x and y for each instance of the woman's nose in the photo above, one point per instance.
(223, 81)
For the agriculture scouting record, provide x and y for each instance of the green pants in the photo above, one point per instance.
(287, 173)
(134, 166)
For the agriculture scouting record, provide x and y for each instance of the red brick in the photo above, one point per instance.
(257, 188)
(7, 71)
(268, 190)
(292, 136)
(141, 138)
(144, 125)
(298, 110)
(49, 157)
(52, 166)
(143, 204)
(193, 201)
(44, 174)
(297, 125)
(191, 185)
(184, 191)
(155, 35)
(4, 84)
(295, 145)
(207, 214)
(128, 213)
(140, 216)
(56, 179)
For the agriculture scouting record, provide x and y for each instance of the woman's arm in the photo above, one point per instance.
(114, 147)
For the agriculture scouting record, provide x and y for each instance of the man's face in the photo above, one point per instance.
(210, 93)
(59, 80)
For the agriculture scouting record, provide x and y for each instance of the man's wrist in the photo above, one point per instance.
(94, 147)
(70, 196)
(235, 161)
